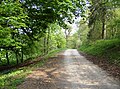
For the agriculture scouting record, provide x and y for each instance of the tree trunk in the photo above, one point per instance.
(22, 55)
(103, 23)
(44, 45)
(103, 29)
(66, 41)
(0, 57)
(66, 37)
(17, 61)
(47, 43)
(8, 62)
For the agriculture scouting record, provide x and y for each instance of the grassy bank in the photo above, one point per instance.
(9, 79)
(110, 49)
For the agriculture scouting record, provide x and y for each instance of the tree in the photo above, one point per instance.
(12, 18)
(67, 32)
(24, 24)
(100, 13)
(43, 12)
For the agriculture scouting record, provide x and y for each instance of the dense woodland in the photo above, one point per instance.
(99, 30)
(30, 28)
(36, 28)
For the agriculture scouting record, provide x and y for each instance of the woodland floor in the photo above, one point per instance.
(70, 70)
(26, 63)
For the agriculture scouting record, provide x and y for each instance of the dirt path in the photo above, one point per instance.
(69, 71)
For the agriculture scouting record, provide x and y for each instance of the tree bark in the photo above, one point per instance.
(47, 43)
(67, 34)
(44, 44)
(22, 55)
(17, 61)
(8, 62)
(103, 23)
(0, 57)
(103, 29)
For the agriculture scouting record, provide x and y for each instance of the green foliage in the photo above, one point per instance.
(31, 28)
(103, 19)
(57, 39)
(101, 35)
(79, 37)
(113, 26)
(106, 48)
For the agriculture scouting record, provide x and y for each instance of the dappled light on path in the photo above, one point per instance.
(72, 71)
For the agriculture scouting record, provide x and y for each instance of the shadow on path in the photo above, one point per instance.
(69, 71)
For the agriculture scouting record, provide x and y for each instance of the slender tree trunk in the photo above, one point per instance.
(0, 57)
(66, 41)
(44, 45)
(17, 61)
(103, 23)
(8, 62)
(66, 37)
(47, 43)
(22, 55)
(67, 34)
(103, 29)
(112, 32)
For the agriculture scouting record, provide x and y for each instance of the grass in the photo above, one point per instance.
(110, 49)
(11, 78)
(52, 53)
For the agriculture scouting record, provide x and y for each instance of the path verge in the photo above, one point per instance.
(112, 69)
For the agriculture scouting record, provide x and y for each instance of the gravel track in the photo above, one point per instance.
(69, 70)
